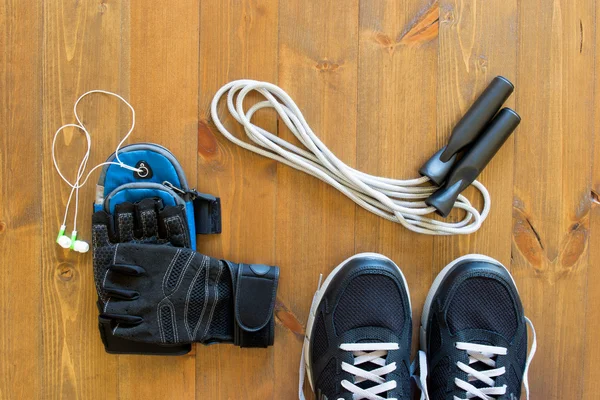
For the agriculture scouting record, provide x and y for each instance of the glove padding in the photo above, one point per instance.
(167, 295)
(147, 221)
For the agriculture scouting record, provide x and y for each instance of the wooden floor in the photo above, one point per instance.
(382, 83)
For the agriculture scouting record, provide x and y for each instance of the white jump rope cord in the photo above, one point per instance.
(400, 201)
(75, 186)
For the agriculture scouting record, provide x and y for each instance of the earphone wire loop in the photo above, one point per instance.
(78, 183)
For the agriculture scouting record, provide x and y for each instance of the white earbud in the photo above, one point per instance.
(72, 243)
(63, 240)
(81, 246)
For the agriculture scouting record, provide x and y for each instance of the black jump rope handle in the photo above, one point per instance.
(478, 135)
(468, 129)
(474, 161)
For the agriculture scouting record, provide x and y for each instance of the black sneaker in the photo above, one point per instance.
(359, 332)
(474, 333)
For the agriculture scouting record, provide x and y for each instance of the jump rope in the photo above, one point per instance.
(474, 141)
(479, 135)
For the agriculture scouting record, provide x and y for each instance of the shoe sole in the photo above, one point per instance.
(318, 296)
(438, 281)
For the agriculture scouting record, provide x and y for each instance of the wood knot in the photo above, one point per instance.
(594, 196)
(574, 244)
(527, 239)
(425, 29)
(448, 17)
(447, 14)
(65, 272)
(384, 40)
(2, 227)
(207, 142)
(482, 62)
(287, 318)
(102, 7)
(326, 66)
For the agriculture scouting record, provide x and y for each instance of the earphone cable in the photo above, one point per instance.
(77, 184)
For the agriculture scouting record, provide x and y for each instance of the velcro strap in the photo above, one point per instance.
(255, 294)
(207, 213)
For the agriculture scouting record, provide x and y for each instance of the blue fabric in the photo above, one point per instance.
(189, 213)
(162, 170)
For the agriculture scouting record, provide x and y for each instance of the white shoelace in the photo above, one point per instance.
(400, 201)
(363, 353)
(479, 354)
(486, 355)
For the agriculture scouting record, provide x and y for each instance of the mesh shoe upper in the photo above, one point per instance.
(365, 302)
(476, 303)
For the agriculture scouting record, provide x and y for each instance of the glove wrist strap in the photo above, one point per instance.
(254, 302)
(261, 338)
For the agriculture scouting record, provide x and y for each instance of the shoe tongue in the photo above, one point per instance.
(370, 334)
(479, 336)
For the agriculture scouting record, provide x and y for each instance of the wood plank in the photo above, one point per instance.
(318, 61)
(163, 44)
(238, 39)
(20, 215)
(82, 51)
(397, 125)
(477, 42)
(365, 75)
(552, 186)
(591, 378)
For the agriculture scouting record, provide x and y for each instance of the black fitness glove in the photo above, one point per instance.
(168, 295)
(149, 238)
(147, 221)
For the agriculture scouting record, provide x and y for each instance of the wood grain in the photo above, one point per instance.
(469, 58)
(404, 90)
(166, 105)
(20, 216)
(591, 375)
(381, 82)
(314, 48)
(82, 51)
(552, 187)
(238, 39)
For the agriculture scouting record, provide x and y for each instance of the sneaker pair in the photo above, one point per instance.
(473, 333)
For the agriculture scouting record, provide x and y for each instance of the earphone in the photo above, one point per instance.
(62, 239)
(80, 246)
